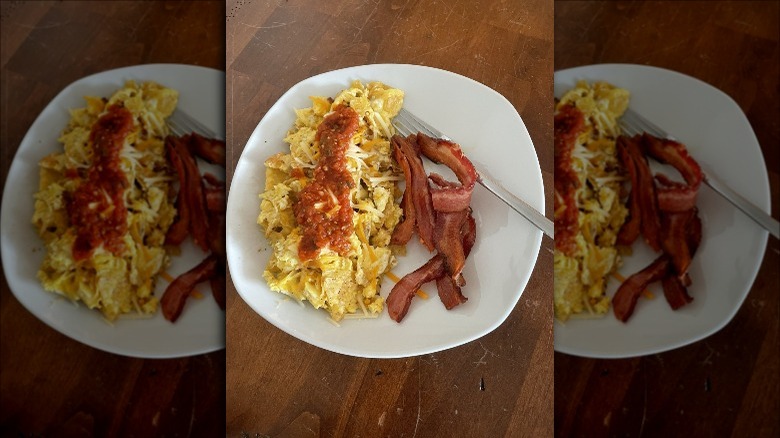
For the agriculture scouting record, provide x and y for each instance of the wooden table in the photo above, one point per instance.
(727, 384)
(272, 377)
(52, 385)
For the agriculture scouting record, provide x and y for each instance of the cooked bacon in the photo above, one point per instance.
(632, 227)
(675, 292)
(675, 239)
(192, 201)
(568, 124)
(674, 197)
(215, 193)
(450, 292)
(404, 230)
(624, 301)
(449, 240)
(420, 191)
(443, 211)
(198, 196)
(176, 294)
(680, 226)
(400, 298)
(643, 189)
(180, 228)
(449, 197)
(211, 150)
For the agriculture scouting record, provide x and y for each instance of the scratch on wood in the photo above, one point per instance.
(275, 25)
(419, 398)
(481, 360)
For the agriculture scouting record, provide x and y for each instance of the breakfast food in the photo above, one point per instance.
(665, 214)
(439, 214)
(330, 205)
(588, 208)
(105, 203)
(597, 172)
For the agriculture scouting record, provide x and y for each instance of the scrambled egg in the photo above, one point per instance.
(348, 284)
(115, 284)
(580, 279)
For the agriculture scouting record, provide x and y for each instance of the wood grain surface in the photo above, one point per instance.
(727, 384)
(52, 385)
(499, 385)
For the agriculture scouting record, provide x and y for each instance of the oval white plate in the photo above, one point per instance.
(490, 131)
(718, 135)
(201, 328)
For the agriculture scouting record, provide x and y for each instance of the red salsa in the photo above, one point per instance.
(568, 124)
(97, 209)
(323, 209)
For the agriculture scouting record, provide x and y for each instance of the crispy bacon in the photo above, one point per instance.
(632, 227)
(624, 301)
(449, 197)
(443, 211)
(176, 293)
(680, 230)
(201, 209)
(191, 202)
(675, 292)
(674, 197)
(420, 191)
(404, 230)
(449, 240)
(210, 149)
(568, 125)
(215, 194)
(675, 240)
(400, 298)
(643, 189)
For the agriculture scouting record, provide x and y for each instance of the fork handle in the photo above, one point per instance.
(760, 216)
(518, 205)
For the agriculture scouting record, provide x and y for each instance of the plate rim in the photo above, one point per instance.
(293, 331)
(573, 350)
(5, 251)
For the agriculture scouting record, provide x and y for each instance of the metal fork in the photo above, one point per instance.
(633, 123)
(407, 123)
(181, 123)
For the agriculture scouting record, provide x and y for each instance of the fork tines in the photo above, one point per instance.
(633, 123)
(182, 123)
(407, 123)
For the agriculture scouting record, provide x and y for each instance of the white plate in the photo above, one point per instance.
(201, 327)
(719, 136)
(490, 132)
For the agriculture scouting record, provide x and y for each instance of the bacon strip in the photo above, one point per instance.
(449, 197)
(404, 230)
(420, 191)
(632, 227)
(568, 124)
(176, 293)
(624, 301)
(675, 197)
(449, 241)
(680, 229)
(400, 298)
(643, 189)
(210, 149)
(191, 202)
(675, 292)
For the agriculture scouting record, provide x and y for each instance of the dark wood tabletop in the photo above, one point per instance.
(52, 385)
(726, 384)
(500, 385)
